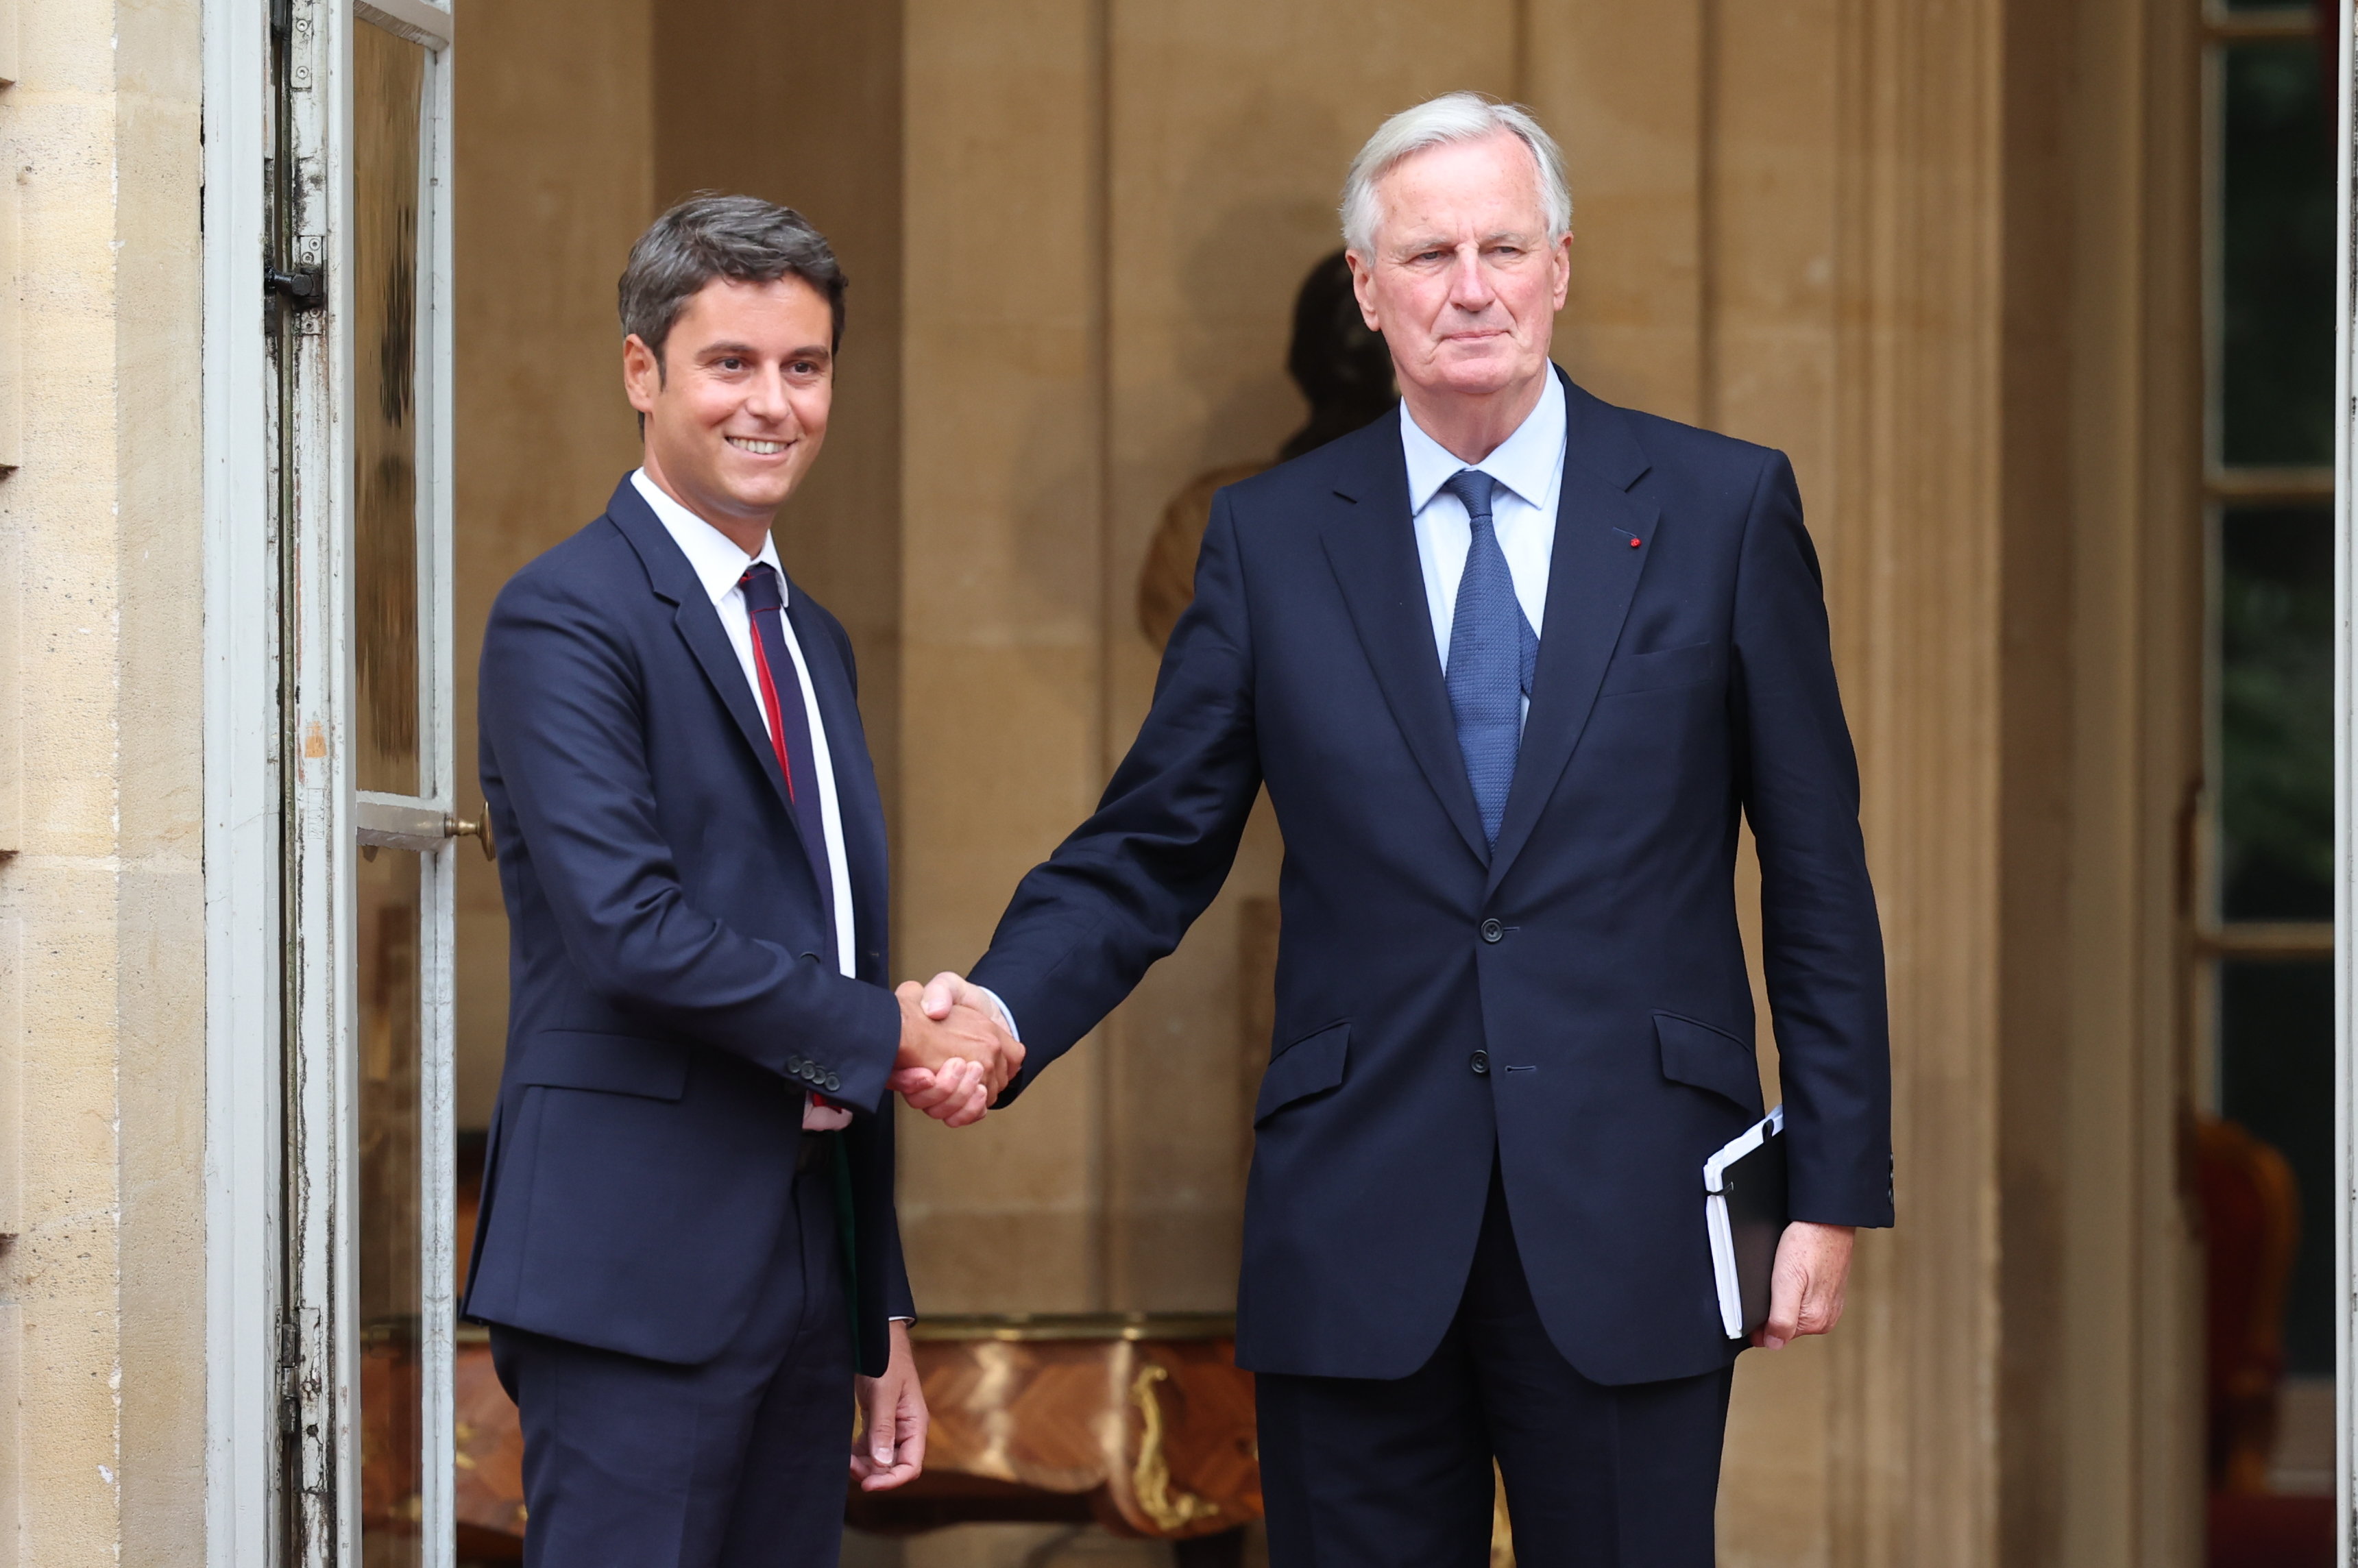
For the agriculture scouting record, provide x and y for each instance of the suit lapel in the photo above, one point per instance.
(1591, 578)
(857, 801)
(675, 581)
(1370, 544)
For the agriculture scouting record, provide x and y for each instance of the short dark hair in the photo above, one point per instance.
(708, 236)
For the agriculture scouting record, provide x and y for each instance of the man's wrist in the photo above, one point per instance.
(1006, 1019)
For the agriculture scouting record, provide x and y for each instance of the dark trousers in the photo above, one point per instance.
(738, 1463)
(1395, 1473)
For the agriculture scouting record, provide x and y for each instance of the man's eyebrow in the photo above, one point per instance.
(1443, 242)
(748, 352)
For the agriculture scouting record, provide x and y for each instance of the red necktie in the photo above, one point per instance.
(789, 728)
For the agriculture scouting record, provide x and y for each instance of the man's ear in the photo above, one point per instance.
(642, 375)
(1362, 284)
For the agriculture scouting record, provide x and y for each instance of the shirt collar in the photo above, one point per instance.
(1525, 462)
(712, 555)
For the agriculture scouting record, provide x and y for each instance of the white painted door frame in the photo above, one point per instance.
(2346, 750)
(241, 815)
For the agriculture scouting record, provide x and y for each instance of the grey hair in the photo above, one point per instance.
(708, 236)
(1439, 122)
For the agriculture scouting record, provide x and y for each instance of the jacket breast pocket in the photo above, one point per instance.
(1311, 1066)
(1667, 667)
(610, 1064)
(1707, 1058)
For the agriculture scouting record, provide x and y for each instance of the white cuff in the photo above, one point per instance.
(1006, 1019)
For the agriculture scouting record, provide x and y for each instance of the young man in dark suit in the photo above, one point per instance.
(686, 1249)
(1511, 664)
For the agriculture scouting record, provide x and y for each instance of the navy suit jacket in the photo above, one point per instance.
(1574, 1002)
(672, 984)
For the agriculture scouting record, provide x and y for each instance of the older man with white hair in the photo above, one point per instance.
(1513, 667)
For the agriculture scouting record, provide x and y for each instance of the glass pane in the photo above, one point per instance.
(388, 89)
(391, 1295)
(2275, 713)
(2275, 1078)
(2276, 255)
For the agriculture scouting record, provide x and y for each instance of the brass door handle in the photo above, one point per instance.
(480, 830)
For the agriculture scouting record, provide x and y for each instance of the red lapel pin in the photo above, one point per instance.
(1634, 543)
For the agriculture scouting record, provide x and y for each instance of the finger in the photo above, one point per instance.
(950, 1080)
(954, 1102)
(943, 992)
(884, 1419)
(976, 1100)
(1784, 1308)
(885, 1480)
(917, 1421)
(1821, 1308)
(910, 1080)
(948, 1087)
(863, 1396)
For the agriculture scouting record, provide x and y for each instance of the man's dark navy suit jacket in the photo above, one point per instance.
(672, 984)
(1574, 1000)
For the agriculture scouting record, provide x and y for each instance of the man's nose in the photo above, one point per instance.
(1469, 287)
(766, 398)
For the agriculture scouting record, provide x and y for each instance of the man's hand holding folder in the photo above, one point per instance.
(1806, 1294)
(1778, 1278)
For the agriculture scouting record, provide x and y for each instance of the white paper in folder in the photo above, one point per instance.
(1745, 1205)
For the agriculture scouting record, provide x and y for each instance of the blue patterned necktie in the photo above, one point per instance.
(1492, 653)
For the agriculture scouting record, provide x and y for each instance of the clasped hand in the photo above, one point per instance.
(955, 1055)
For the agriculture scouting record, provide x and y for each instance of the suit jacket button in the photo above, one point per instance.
(833, 1083)
(1492, 931)
(1480, 1063)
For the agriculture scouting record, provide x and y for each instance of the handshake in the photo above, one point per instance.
(956, 1051)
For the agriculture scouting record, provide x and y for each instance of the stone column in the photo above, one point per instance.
(102, 905)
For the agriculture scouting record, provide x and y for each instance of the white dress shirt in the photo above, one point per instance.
(1529, 467)
(718, 563)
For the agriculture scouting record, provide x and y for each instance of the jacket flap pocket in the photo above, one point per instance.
(614, 1064)
(1669, 666)
(1308, 1067)
(1708, 1058)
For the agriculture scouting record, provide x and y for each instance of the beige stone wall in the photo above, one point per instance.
(102, 939)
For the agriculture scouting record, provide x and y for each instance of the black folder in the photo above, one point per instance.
(1745, 1206)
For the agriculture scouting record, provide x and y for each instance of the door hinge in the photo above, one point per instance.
(304, 289)
(290, 1363)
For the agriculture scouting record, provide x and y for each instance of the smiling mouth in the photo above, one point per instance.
(759, 448)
